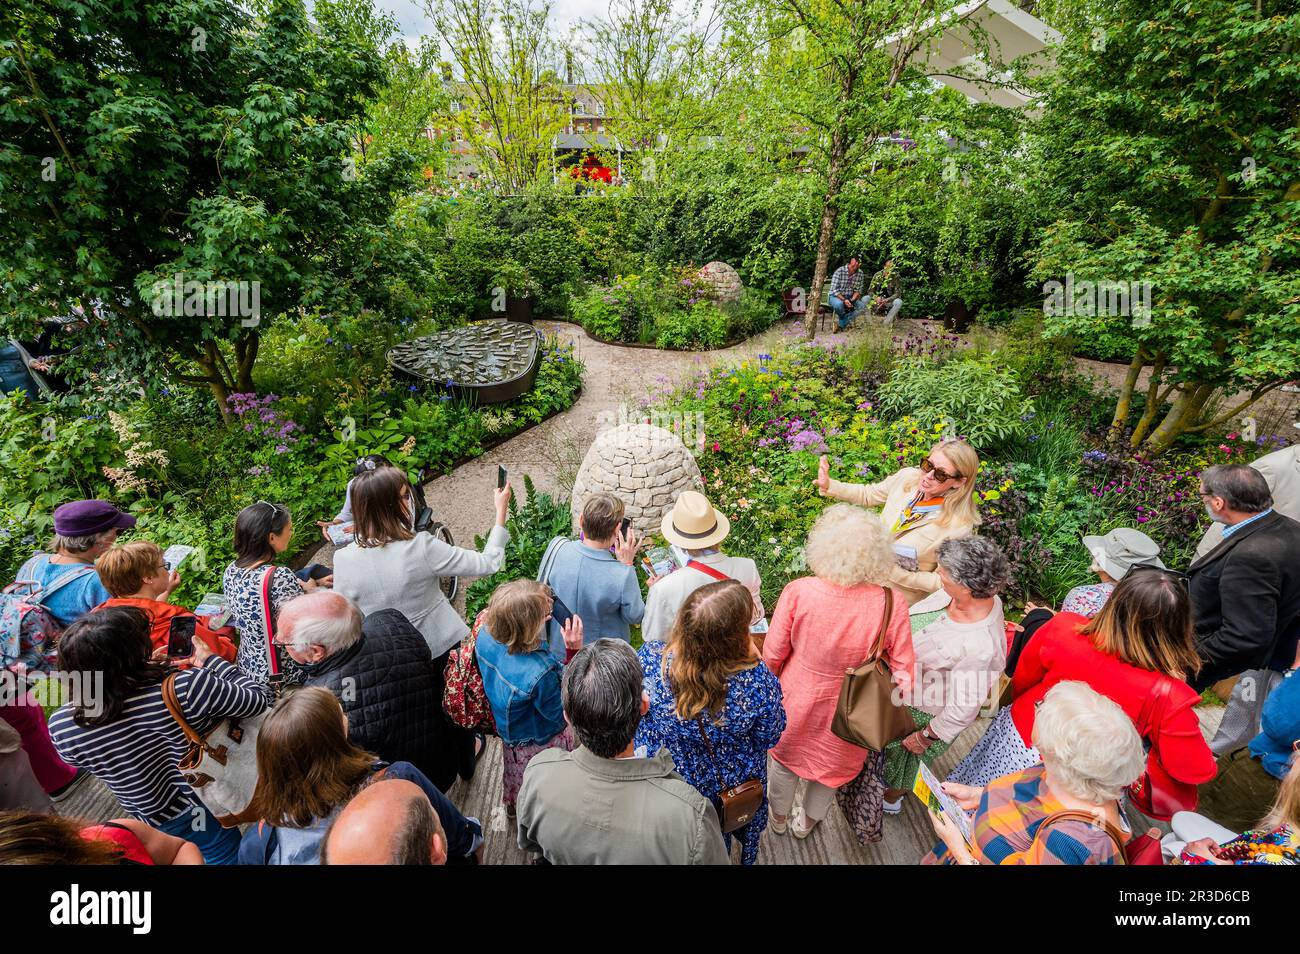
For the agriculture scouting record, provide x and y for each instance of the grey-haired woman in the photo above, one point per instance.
(959, 637)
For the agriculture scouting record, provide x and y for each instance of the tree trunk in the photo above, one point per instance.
(826, 231)
(1125, 401)
(1155, 401)
(1186, 409)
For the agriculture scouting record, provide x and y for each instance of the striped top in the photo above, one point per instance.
(1009, 813)
(136, 755)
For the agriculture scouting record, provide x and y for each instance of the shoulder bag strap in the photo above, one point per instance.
(173, 704)
(1074, 814)
(268, 619)
(878, 651)
(707, 570)
(548, 558)
(713, 758)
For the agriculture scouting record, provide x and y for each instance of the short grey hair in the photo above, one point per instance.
(326, 619)
(1242, 488)
(1088, 743)
(976, 563)
(601, 695)
(76, 544)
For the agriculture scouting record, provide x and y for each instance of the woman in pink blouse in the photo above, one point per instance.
(823, 625)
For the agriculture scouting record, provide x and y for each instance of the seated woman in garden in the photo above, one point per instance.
(1113, 555)
(823, 625)
(713, 704)
(1090, 754)
(920, 507)
(307, 770)
(127, 737)
(1138, 651)
(390, 566)
(343, 519)
(521, 678)
(256, 588)
(958, 636)
(136, 576)
(1196, 840)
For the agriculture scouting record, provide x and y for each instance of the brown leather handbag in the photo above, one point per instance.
(866, 714)
(738, 804)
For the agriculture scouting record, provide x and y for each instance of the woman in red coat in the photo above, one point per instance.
(1138, 651)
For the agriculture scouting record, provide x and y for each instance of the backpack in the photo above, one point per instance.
(464, 698)
(29, 632)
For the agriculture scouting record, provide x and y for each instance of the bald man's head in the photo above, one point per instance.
(389, 822)
(318, 624)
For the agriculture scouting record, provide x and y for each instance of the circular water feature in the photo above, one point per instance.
(485, 362)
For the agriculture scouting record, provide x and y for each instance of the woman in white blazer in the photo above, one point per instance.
(390, 566)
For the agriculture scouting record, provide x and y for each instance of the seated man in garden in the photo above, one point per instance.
(846, 291)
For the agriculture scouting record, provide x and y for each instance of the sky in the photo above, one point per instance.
(414, 23)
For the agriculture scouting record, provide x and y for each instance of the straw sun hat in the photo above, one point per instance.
(694, 524)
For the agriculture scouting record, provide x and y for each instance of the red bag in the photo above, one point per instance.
(463, 697)
(1140, 850)
(1158, 794)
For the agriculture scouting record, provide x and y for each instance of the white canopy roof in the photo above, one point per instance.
(1012, 33)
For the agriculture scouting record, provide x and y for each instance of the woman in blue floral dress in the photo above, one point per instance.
(709, 676)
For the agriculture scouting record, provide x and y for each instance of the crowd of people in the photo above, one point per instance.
(349, 700)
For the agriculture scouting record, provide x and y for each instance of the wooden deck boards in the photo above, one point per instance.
(907, 836)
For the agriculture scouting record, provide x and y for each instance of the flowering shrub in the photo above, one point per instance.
(1041, 488)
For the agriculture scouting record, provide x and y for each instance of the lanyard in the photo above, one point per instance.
(915, 512)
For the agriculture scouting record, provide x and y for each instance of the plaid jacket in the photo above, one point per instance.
(843, 284)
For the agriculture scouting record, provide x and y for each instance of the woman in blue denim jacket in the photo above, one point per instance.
(522, 678)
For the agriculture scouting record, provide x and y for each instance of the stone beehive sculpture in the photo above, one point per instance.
(724, 280)
(643, 465)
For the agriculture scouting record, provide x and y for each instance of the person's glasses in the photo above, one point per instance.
(940, 474)
(275, 508)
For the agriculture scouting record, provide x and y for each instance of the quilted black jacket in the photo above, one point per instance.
(390, 690)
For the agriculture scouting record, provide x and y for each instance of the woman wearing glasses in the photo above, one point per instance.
(256, 588)
(1138, 651)
(921, 507)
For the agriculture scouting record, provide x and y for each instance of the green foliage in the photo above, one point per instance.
(221, 153)
(532, 526)
(703, 325)
(968, 395)
(1167, 154)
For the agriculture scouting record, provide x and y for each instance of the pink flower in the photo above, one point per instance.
(716, 447)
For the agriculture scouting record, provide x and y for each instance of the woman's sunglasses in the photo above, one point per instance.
(940, 474)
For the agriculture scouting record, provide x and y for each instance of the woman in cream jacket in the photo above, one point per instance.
(921, 507)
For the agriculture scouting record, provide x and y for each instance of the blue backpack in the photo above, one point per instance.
(29, 632)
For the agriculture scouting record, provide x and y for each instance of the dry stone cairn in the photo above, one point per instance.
(645, 466)
(724, 280)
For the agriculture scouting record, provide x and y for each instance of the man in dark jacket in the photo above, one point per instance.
(381, 670)
(1246, 591)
